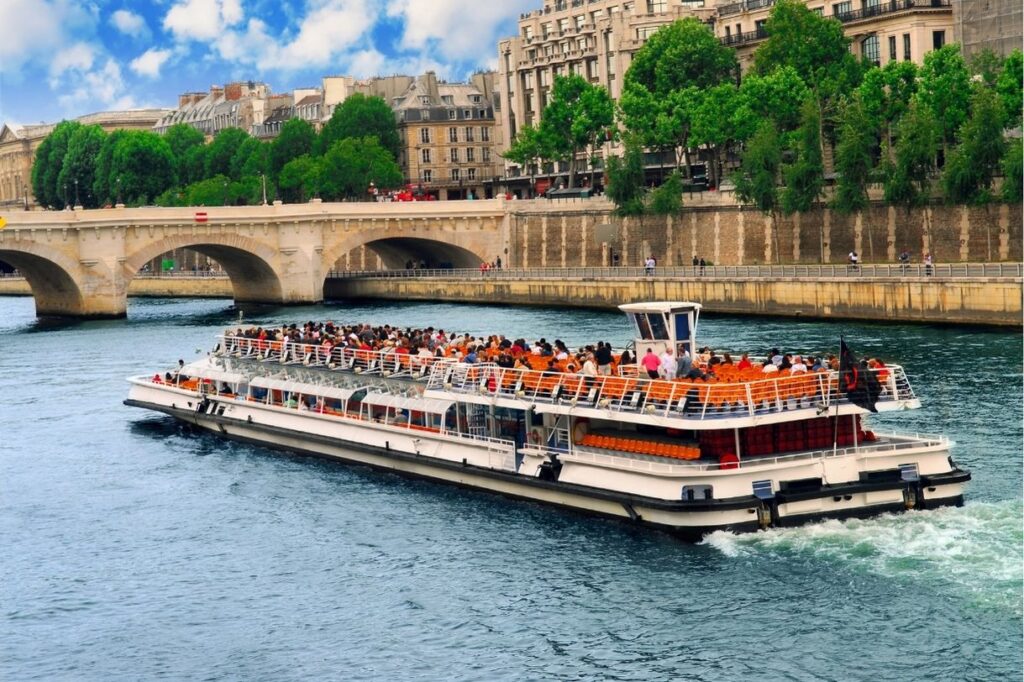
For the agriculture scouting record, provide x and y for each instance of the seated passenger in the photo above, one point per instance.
(744, 362)
(770, 367)
(798, 366)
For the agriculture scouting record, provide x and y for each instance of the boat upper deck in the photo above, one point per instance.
(730, 397)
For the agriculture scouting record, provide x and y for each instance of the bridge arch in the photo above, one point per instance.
(53, 278)
(249, 264)
(395, 251)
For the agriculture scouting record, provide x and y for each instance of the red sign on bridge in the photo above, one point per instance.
(201, 217)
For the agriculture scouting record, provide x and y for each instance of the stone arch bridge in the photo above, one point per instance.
(80, 263)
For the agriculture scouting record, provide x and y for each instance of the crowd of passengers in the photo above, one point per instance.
(556, 356)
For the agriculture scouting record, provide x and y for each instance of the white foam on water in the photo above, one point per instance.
(976, 548)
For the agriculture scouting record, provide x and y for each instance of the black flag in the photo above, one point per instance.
(855, 379)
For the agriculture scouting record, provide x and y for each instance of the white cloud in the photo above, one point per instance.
(202, 20)
(34, 30)
(78, 57)
(129, 23)
(461, 30)
(99, 88)
(150, 62)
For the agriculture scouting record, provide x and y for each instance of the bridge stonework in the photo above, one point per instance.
(80, 263)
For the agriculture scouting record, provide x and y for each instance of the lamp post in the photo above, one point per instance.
(119, 190)
(77, 202)
(65, 196)
(225, 193)
(263, 179)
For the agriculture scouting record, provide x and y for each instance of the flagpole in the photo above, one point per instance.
(839, 385)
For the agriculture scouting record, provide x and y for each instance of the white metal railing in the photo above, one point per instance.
(681, 398)
(885, 271)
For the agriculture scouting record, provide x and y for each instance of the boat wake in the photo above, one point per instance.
(976, 548)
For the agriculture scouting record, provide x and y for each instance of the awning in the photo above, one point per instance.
(214, 374)
(403, 402)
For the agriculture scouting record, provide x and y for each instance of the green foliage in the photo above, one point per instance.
(626, 181)
(945, 88)
(668, 198)
(986, 65)
(49, 160)
(885, 94)
(777, 96)
(295, 139)
(853, 160)
(221, 150)
(353, 163)
(908, 173)
(80, 164)
(195, 164)
(682, 54)
(756, 181)
(968, 175)
(144, 163)
(215, 191)
(1013, 172)
(804, 177)
(300, 178)
(1009, 86)
(104, 186)
(527, 149)
(181, 137)
(814, 46)
(575, 118)
(721, 117)
(251, 159)
(361, 116)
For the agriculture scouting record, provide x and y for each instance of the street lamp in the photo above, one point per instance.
(225, 193)
(263, 179)
(65, 196)
(119, 189)
(77, 202)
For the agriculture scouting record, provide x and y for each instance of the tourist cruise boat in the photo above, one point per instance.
(741, 452)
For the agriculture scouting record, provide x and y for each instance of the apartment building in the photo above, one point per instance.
(449, 136)
(18, 149)
(881, 30)
(988, 24)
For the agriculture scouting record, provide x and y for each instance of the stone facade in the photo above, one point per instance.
(988, 24)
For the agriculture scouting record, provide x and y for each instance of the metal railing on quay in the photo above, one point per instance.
(880, 271)
(184, 274)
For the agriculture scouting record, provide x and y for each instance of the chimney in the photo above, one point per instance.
(233, 91)
(216, 91)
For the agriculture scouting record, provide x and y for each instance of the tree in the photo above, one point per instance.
(1009, 87)
(626, 180)
(251, 160)
(144, 163)
(665, 76)
(528, 149)
(1013, 172)
(667, 199)
(945, 88)
(300, 178)
(195, 164)
(577, 115)
(967, 178)
(805, 176)
(853, 158)
(777, 96)
(48, 163)
(222, 149)
(814, 46)
(757, 179)
(885, 95)
(105, 186)
(360, 116)
(986, 65)
(181, 137)
(79, 167)
(721, 117)
(908, 174)
(295, 139)
(353, 163)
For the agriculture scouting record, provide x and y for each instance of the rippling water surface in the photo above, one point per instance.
(135, 548)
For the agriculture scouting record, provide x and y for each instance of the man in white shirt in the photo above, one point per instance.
(798, 366)
(668, 365)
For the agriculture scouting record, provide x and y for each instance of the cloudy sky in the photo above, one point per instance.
(65, 58)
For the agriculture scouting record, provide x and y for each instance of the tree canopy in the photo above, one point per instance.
(361, 116)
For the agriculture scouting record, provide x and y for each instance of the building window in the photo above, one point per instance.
(467, 114)
(485, 134)
(425, 156)
(447, 99)
(453, 134)
(892, 48)
(469, 155)
(454, 154)
(456, 174)
(938, 39)
(485, 154)
(580, 20)
(820, 11)
(428, 175)
(469, 135)
(869, 49)
(906, 47)
(841, 9)
(425, 135)
(471, 173)
(656, 6)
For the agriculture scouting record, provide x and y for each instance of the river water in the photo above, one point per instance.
(134, 548)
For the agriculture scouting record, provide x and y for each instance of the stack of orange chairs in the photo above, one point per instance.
(641, 447)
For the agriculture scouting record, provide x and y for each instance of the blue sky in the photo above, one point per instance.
(65, 58)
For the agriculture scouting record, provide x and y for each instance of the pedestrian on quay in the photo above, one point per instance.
(649, 266)
(928, 263)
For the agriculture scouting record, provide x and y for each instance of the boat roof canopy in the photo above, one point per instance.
(398, 401)
(335, 392)
(659, 307)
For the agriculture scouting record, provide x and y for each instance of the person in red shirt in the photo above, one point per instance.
(744, 363)
(651, 363)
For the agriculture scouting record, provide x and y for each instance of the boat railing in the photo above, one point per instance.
(679, 398)
(652, 464)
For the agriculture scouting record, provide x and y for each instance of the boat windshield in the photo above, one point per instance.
(651, 326)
